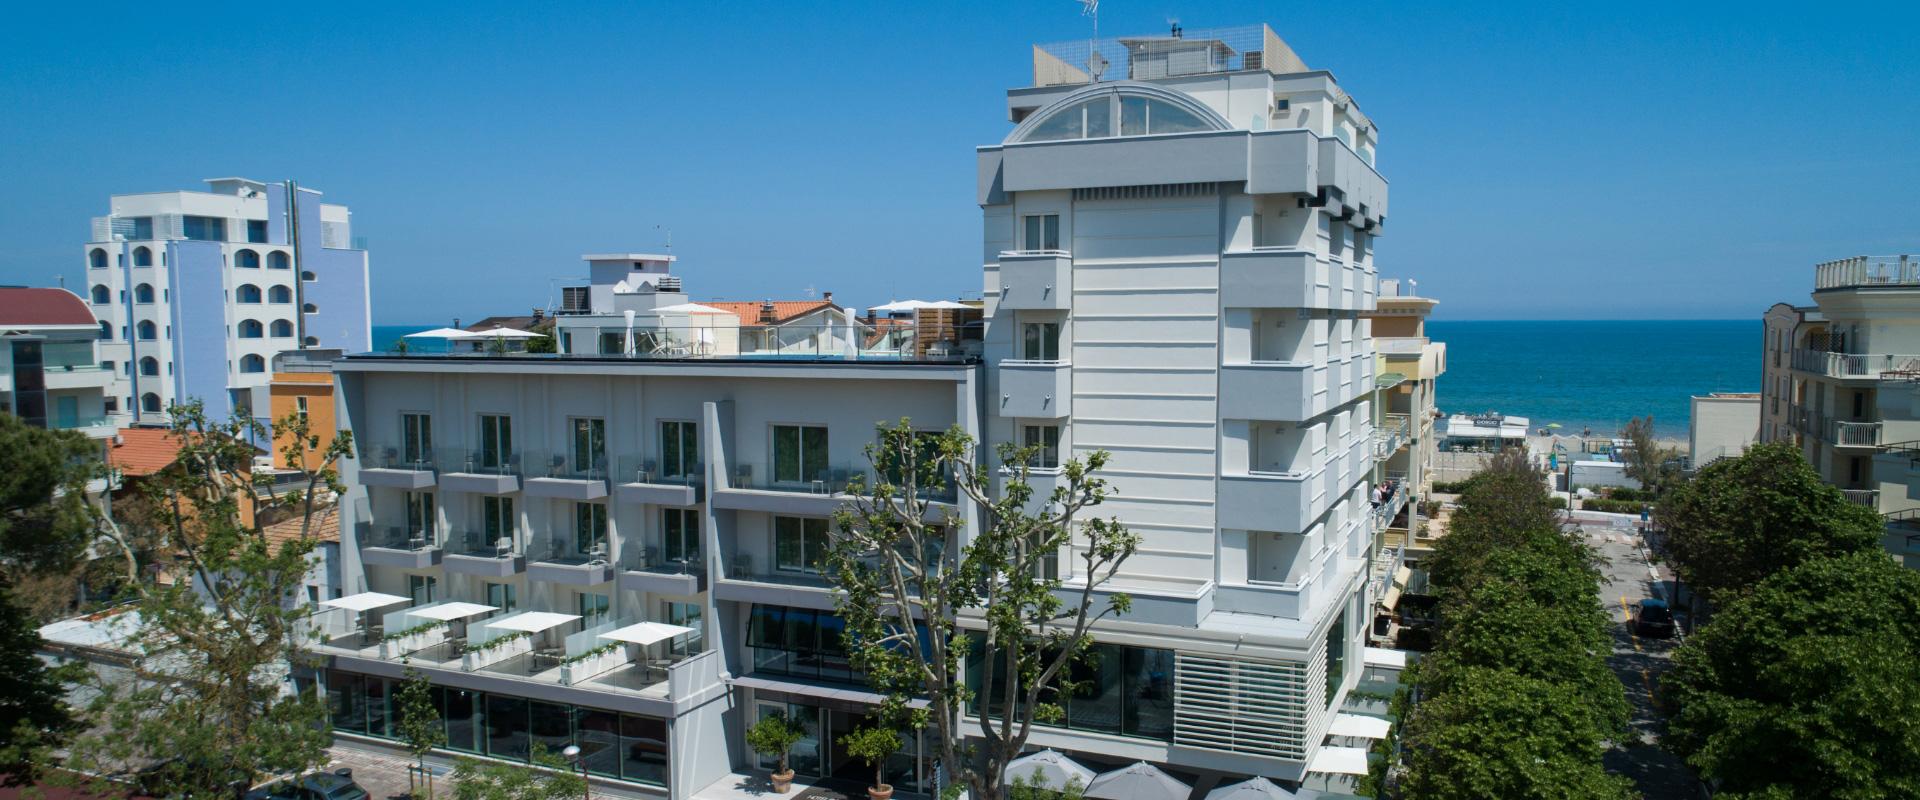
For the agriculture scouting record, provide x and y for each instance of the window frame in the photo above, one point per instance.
(799, 474)
(812, 534)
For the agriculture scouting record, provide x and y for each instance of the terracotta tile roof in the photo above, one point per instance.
(783, 310)
(139, 452)
(23, 306)
(326, 527)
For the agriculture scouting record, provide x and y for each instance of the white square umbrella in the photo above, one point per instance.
(1358, 726)
(533, 621)
(1339, 761)
(1048, 769)
(1254, 789)
(450, 611)
(645, 633)
(364, 601)
(1141, 781)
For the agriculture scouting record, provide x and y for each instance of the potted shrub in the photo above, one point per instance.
(874, 744)
(775, 735)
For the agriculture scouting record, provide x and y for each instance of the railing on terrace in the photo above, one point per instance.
(566, 550)
(640, 469)
(397, 537)
(1867, 272)
(566, 465)
(386, 455)
(1391, 433)
(1195, 51)
(1865, 497)
(1853, 434)
(1856, 365)
(954, 335)
(480, 462)
(822, 480)
(480, 545)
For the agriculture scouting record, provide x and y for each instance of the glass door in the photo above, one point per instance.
(421, 588)
(679, 449)
(589, 447)
(804, 758)
(416, 439)
(496, 441)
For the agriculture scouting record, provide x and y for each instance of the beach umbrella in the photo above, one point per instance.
(900, 305)
(440, 333)
(504, 332)
(692, 308)
(1142, 781)
(1254, 789)
(1048, 769)
(947, 305)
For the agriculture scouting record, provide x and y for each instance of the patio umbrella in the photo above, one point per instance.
(1049, 769)
(1143, 781)
(947, 305)
(504, 332)
(440, 333)
(692, 308)
(1254, 789)
(900, 305)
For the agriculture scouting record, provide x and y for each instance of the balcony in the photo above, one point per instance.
(476, 553)
(1274, 277)
(76, 376)
(1853, 434)
(480, 472)
(646, 571)
(395, 466)
(398, 546)
(1864, 497)
(1036, 389)
(565, 476)
(748, 580)
(1041, 279)
(560, 562)
(640, 480)
(1277, 502)
(1868, 272)
(1391, 434)
(1272, 390)
(1857, 366)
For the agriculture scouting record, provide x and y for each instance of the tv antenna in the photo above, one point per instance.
(1096, 63)
(669, 235)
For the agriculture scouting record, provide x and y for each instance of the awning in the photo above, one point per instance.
(900, 305)
(532, 621)
(1400, 578)
(692, 308)
(1254, 789)
(1048, 769)
(1358, 726)
(450, 611)
(500, 332)
(1339, 761)
(365, 601)
(1142, 780)
(440, 333)
(645, 632)
(1383, 657)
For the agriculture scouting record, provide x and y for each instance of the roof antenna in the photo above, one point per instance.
(1096, 63)
(669, 235)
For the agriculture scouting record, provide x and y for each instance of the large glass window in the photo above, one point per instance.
(1047, 439)
(1129, 690)
(804, 758)
(257, 231)
(1138, 116)
(496, 518)
(589, 452)
(508, 735)
(347, 701)
(1040, 341)
(643, 749)
(420, 516)
(799, 453)
(1042, 232)
(204, 229)
(421, 588)
(1076, 122)
(460, 705)
(501, 596)
(416, 438)
(551, 725)
(142, 228)
(679, 449)
(496, 440)
(799, 544)
(801, 642)
(599, 736)
(680, 531)
(589, 527)
(592, 607)
(686, 615)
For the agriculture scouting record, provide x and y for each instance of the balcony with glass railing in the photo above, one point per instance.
(404, 546)
(638, 479)
(1391, 434)
(476, 552)
(786, 488)
(397, 465)
(646, 568)
(562, 559)
(482, 471)
(566, 474)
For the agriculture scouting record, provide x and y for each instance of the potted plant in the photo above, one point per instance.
(874, 744)
(775, 735)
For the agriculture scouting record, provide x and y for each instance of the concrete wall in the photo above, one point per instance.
(1722, 426)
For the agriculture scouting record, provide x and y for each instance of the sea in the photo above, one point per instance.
(1593, 374)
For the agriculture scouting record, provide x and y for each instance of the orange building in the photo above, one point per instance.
(303, 384)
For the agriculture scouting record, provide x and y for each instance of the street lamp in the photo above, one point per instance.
(572, 754)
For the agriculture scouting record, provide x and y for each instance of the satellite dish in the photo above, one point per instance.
(1096, 64)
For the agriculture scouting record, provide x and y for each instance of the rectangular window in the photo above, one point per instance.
(589, 452)
(416, 439)
(679, 449)
(257, 231)
(1040, 341)
(592, 608)
(799, 544)
(496, 519)
(142, 228)
(1047, 439)
(501, 596)
(589, 527)
(686, 615)
(1042, 232)
(300, 406)
(799, 453)
(419, 522)
(496, 441)
(420, 588)
(680, 529)
(204, 229)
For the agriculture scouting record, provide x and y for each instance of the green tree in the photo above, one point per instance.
(1654, 465)
(895, 560)
(1807, 687)
(547, 778)
(34, 717)
(46, 522)
(774, 736)
(420, 725)
(1497, 733)
(873, 744)
(1742, 519)
(205, 701)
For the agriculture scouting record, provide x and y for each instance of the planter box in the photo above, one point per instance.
(480, 659)
(578, 671)
(393, 649)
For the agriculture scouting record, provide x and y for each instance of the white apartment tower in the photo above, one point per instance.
(196, 292)
(1178, 252)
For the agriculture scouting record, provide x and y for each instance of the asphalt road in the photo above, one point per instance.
(1626, 579)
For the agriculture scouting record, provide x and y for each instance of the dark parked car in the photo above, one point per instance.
(336, 785)
(1652, 618)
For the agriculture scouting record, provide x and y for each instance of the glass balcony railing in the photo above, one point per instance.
(399, 537)
(388, 455)
(481, 462)
(565, 465)
(638, 469)
(824, 481)
(479, 544)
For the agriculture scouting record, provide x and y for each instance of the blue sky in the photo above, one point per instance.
(1590, 161)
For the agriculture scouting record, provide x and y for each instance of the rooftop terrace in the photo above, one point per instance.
(1176, 53)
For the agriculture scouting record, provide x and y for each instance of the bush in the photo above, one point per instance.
(1625, 493)
(1450, 487)
(1612, 506)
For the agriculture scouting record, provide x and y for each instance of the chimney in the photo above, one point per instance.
(828, 296)
(766, 313)
(456, 322)
(539, 314)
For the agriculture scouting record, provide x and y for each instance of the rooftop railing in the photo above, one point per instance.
(1856, 365)
(925, 339)
(1867, 272)
(1195, 51)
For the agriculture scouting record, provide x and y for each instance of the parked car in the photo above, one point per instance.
(336, 785)
(1652, 618)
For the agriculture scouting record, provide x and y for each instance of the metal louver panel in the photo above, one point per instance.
(1242, 705)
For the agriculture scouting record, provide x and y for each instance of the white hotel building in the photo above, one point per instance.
(1176, 260)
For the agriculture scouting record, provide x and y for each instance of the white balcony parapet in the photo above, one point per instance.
(1857, 365)
(1867, 272)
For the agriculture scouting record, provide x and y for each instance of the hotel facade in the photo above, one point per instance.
(614, 547)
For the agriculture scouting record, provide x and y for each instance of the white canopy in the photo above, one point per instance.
(500, 332)
(1384, 657)
(1256, 788)
(1339, 761)
(364, 601)
(945, 304)
(532, 621)
(901, 305)
(1049, 769)
(692, 308)
(440, 333)
(1142, 780)
(450, 611)
(645, 632)
(1359, 726)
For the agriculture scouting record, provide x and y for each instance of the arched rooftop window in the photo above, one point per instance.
(1118, 110)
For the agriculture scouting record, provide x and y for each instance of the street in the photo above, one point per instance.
(1626, 578)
